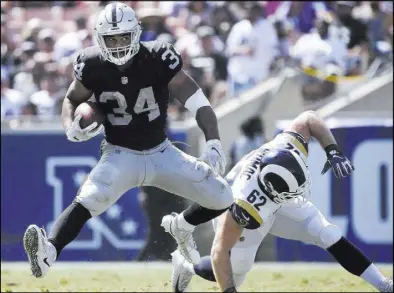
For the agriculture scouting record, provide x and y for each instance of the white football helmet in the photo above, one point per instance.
(116, 19)
(284, 176)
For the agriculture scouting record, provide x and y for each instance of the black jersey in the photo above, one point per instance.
(135, 100)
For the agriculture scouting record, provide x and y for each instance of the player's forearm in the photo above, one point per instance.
(319, 130)
(76, 94)
(208, 123)
(222, 269)
(68, 109)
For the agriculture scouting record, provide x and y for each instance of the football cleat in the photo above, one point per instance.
(386, 285)
(181, 276)
(35, 244)
(184, 238)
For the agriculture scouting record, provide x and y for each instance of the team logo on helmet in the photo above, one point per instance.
(284, 176)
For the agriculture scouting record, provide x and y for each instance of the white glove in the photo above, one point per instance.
(214, 156)
(76, 134)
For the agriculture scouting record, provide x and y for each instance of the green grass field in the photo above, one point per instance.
(155, 277)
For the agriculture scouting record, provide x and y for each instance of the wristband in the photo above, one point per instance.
(332, 149)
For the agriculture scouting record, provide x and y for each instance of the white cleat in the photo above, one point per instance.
(386, 285)
(181, 276)
(35, 244)
(184, 238)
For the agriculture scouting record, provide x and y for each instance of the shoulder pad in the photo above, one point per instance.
(86, 59)
(291, 140)
(168, 59)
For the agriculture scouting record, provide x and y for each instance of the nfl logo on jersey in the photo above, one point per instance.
(124, 80)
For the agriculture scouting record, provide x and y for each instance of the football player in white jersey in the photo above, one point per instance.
(270, 188)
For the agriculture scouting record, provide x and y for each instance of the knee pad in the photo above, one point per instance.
(242, 260)
(219, 193)
(98, 192)
(330, 235)
(322, 232)
(94, 197)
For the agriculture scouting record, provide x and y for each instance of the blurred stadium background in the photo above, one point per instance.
(331, 57)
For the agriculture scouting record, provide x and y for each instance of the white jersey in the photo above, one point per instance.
(252, 207)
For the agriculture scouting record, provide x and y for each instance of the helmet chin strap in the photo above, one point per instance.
(123, 67)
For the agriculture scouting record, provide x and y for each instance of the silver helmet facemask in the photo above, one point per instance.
(120, 55)
(118, 19)
(301, 192)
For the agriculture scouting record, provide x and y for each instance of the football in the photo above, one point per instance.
(91, 113)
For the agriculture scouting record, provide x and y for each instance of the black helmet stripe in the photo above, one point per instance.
(114, 20)
(298, 173)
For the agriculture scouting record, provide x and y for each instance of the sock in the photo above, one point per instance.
(195, 214)
(349, 256)
(68, 225)
(183, 224)
(51, 252)
(204, 269)
(373, 276)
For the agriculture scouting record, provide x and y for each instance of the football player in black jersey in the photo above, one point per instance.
(131, 81)
(270, 186)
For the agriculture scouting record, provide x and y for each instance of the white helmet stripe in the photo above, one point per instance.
(282, 172)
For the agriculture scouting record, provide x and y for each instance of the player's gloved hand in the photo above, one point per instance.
(76, 134)
(341, 166)
(214, 156)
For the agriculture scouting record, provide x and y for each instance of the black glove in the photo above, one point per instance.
(341, 166)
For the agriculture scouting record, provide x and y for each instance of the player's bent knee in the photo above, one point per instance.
(322, 232)
(330, 235)
(242, 260)
(222, 197)
(94, 197)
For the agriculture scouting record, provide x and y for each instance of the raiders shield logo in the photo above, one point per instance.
(124, 80)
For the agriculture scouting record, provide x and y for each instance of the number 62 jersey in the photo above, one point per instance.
(252, 207)
(135, 98)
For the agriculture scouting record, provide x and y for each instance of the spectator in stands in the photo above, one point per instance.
(211, 49)
(12, 101)
(358, 42)
(72, 42)
(222, 19)
(153, 23)
(7, 47)
(252, 138)
(46, 45)
(48, 100)
(31, 29)
(321, 54)
(252, 46)
(27, 80)
(21, 56)
(199, 13)
(378, 31)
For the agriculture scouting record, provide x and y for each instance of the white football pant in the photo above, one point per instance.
(165, 167)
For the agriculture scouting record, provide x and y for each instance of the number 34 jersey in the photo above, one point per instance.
(134, 99)
(253, 208)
